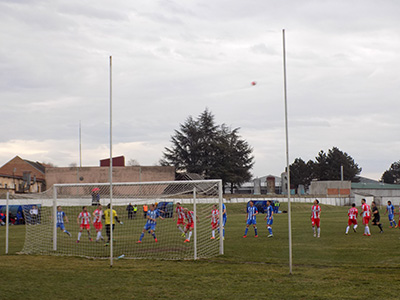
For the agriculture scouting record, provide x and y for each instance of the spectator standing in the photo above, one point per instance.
(129, 209)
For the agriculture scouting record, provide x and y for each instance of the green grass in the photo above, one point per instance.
(335, 266)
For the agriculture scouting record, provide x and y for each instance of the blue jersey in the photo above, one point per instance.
(60, 217)
(251, 213)
(224, 209)
(269, 211)
(154, 215)
(390, 209)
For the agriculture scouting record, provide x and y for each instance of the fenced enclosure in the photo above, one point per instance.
(44, 235)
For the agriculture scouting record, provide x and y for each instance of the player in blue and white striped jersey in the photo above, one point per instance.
(390, 212)
(151, 223)
(252, 212)
(61, 217)
(269, 217)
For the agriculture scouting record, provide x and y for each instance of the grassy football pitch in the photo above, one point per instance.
(335, 266)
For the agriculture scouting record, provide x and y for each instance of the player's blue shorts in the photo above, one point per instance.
(61, 226)
(252, 222)
(270, 222)
(150, 227)
(391, 217)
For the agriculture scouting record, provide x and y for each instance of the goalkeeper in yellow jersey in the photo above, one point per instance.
(107, 217)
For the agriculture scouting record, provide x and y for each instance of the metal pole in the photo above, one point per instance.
(54, 218)
(7, 220)
(195, 223)
(221, 218)
(287, 153)
(341, 173)
(80, 144)
(111, 167)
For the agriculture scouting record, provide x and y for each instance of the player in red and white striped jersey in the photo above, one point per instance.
(366, 214)
(181, 218)
(353, 214)
(97, 217)
(316, 217)
(189, 216)
(214, 220)
(84, 223)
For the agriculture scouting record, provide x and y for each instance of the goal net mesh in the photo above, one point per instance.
(44, 235)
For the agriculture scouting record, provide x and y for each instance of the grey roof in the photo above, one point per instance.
(36, 165)
(377, 186)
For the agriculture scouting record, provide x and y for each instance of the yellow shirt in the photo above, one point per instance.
(107, 216)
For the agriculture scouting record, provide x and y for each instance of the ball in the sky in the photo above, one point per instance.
(253, 83)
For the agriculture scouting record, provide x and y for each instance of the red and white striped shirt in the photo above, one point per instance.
(214, 216)
(85, 218)
(97, 214)
(315, 211)
(366, 210)
(189, 217)
(353, 213)
(180, 213)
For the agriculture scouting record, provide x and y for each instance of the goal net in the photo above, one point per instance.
(56, 220)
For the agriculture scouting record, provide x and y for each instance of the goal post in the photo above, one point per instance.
(57, 230)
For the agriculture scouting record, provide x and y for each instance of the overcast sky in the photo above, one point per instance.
(173, 59)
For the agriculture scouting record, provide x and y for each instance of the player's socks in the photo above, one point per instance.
(154, 235)
(395, 224)
(355, 228)
(79, 235)
(223, 232)
(213, 233)
(380, 227)
(391, 224)
(255, 231)
(98, 235)
(180, 229)
(141, 236)
(270, 230)
(67, 232)
(347, 229)
(245, 232)
(190, 235)
(319, 231)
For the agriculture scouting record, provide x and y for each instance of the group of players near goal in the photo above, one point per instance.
(185, 220)
(184, 216)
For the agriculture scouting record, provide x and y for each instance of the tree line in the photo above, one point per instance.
(218, 152)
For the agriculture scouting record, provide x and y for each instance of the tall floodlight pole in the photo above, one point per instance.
(80, 154)
(111, 166)
(287, 152)
(80, 144)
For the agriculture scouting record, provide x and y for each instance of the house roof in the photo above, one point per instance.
(17, 166)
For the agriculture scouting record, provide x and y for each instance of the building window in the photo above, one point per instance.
(5, 185)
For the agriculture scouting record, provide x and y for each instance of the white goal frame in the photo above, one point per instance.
(197, 196)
